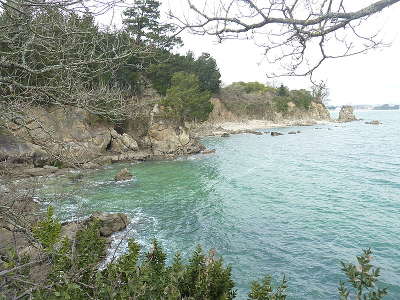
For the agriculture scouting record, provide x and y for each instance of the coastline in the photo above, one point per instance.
(263, 124)
(249, 126)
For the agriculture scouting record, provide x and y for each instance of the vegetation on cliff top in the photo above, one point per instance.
(257, 99)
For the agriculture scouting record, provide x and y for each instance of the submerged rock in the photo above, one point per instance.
(292, 132)
(274, 133)
(257, 133)
(374, 122)
(76, 177)
(346, 114)
(208, 151)
(124, 174)
(225, 134)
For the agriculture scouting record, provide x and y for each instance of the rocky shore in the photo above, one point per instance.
(250, 127)
(49, 140)
(54, 140)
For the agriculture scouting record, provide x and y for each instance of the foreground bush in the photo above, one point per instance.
(74, 272)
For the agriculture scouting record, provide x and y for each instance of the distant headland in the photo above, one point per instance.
(367, 106)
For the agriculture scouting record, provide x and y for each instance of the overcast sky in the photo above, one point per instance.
(371, 78)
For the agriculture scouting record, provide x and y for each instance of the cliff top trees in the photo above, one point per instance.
(143, 23)
(185, 100)
(204, 67)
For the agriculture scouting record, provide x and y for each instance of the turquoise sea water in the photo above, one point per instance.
(293, 204)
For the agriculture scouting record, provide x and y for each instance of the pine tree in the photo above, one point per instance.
(143, 23)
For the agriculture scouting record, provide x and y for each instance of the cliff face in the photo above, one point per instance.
(225, 111)
(72, 136)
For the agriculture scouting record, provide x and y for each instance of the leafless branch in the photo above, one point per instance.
(299, 35)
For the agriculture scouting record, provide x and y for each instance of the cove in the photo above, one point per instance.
(294, 204)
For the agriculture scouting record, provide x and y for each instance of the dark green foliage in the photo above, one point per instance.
(204, 67)
(48, 230)
(75, 270)
(362, 278)
(283, 91)
(281, 103)
(185, 100)
(142, 22)
(266, 291)
(302, 98)
(90, 246)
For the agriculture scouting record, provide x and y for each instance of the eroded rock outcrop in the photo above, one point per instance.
(346, 114)
(169, 139)
(75, 137)
(63, 133)
(220, 112)
(122, 143)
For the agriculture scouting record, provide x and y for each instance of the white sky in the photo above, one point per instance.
(371, 78)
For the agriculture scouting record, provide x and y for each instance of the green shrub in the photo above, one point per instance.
(185, 100)
(266, 291)
(48, 231)
(251, 87)
(362, 278)
(282, 91)
(302, 98)
(281, 104)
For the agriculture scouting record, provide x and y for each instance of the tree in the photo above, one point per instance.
(143, 23)
(283, 91)
(185, 100)
(320, 92)
(53, 53)
(299, 35)
(204, 67)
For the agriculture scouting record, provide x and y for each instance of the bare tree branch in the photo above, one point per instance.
(299, 35)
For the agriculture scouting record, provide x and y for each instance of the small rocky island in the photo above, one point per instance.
(346, 114)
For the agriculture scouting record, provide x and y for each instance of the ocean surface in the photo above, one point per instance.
(293, 205)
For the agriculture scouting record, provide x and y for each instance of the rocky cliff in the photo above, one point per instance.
(72, 136)
(226, 111)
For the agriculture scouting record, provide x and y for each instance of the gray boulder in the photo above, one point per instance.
(110, 223)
